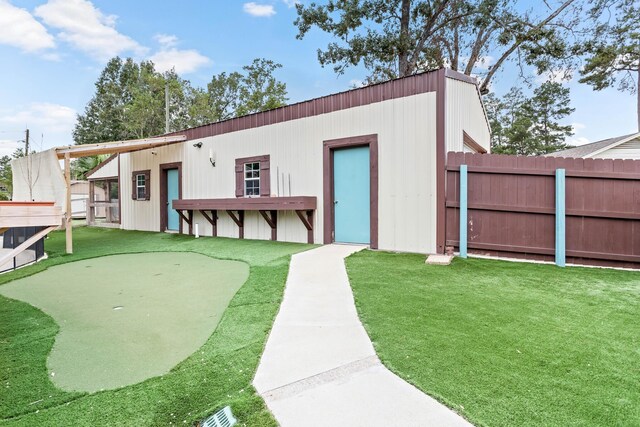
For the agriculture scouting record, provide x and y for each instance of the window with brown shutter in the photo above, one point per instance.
(253, 177)
(141, 185)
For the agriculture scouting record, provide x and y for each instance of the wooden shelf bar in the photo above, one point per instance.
(268, 207)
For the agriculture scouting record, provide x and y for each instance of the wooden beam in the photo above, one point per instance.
(68, 224)
(24, 245)
(272, 221)
(213, 220)
(30, 214)
(91, 210)
(117, 146)
(188, 219)
(307, 222)
(239, 220)
(250, 203)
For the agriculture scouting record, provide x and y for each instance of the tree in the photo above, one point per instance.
(81, 166)
(614, 52)
(396, 38)
(6, 178)
(550, 103)
(237, 94)
(104, 116)
(259, 89)
(530, 126)
(129, 102)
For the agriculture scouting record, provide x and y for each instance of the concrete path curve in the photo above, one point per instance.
(319, 367)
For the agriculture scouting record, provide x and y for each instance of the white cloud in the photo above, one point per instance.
(484, 62)
(291, 3)
(8, 147)
(20, 29)
(184, 61)
(578, 126)
(86, 28)
(577, 140)
(50, 125)
(166, 40)
(262, 10)
(560, 75)
(168, 57)
(355, 83)
(48, 117)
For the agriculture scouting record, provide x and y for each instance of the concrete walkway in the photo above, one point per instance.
(319, 367)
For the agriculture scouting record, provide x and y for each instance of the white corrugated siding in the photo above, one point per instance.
(628, 150)
(406, 129)
(107, 171)
(465, 113)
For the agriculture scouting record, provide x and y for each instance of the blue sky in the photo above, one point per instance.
(51, 53)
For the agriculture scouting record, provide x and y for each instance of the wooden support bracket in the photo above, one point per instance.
(187, 218)
(307, 220)
(213, 220)
(239, 220)
(272, 221)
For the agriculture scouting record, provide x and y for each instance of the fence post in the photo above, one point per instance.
(560, 218)
(463, 211)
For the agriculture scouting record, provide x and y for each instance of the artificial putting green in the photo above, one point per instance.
(126, 318)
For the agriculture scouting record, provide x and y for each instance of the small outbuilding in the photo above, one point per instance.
(620, 147)
(362, 166)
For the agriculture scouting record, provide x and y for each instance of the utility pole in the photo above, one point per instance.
(26, 142)
(166, 107)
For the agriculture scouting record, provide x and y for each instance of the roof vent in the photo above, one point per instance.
(222, 418)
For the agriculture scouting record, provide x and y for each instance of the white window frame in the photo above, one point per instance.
(253, 179)
(143, 186)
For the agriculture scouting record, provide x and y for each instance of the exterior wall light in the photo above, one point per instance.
(198, 144)
(212, 158)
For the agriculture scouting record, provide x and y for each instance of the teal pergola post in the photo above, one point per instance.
(560, 218)
(463, 211)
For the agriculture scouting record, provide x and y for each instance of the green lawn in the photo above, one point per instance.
(507, 344)
(219, 373)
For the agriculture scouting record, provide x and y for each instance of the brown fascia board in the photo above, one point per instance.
(392, 89)
(100, 165)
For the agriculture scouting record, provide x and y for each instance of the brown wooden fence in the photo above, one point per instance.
(511, 207)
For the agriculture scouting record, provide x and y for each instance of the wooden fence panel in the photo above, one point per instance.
(511, 207)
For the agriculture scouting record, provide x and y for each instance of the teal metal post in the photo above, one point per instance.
(560, 218)
(463, 211)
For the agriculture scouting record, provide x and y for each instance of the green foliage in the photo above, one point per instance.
(237, 94)
(529, 126)
(6, 178)
(81, 166)
(259, 89)
(504, 343)
(6, 175)
(401, 37)
(219, 373)
(613, 54)
(129, 102)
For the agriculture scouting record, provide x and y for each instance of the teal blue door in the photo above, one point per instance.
(351, 195)
(173, 193)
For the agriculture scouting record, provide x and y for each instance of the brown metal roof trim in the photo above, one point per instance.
(429, 81)
(100, 165)
(471, 143)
